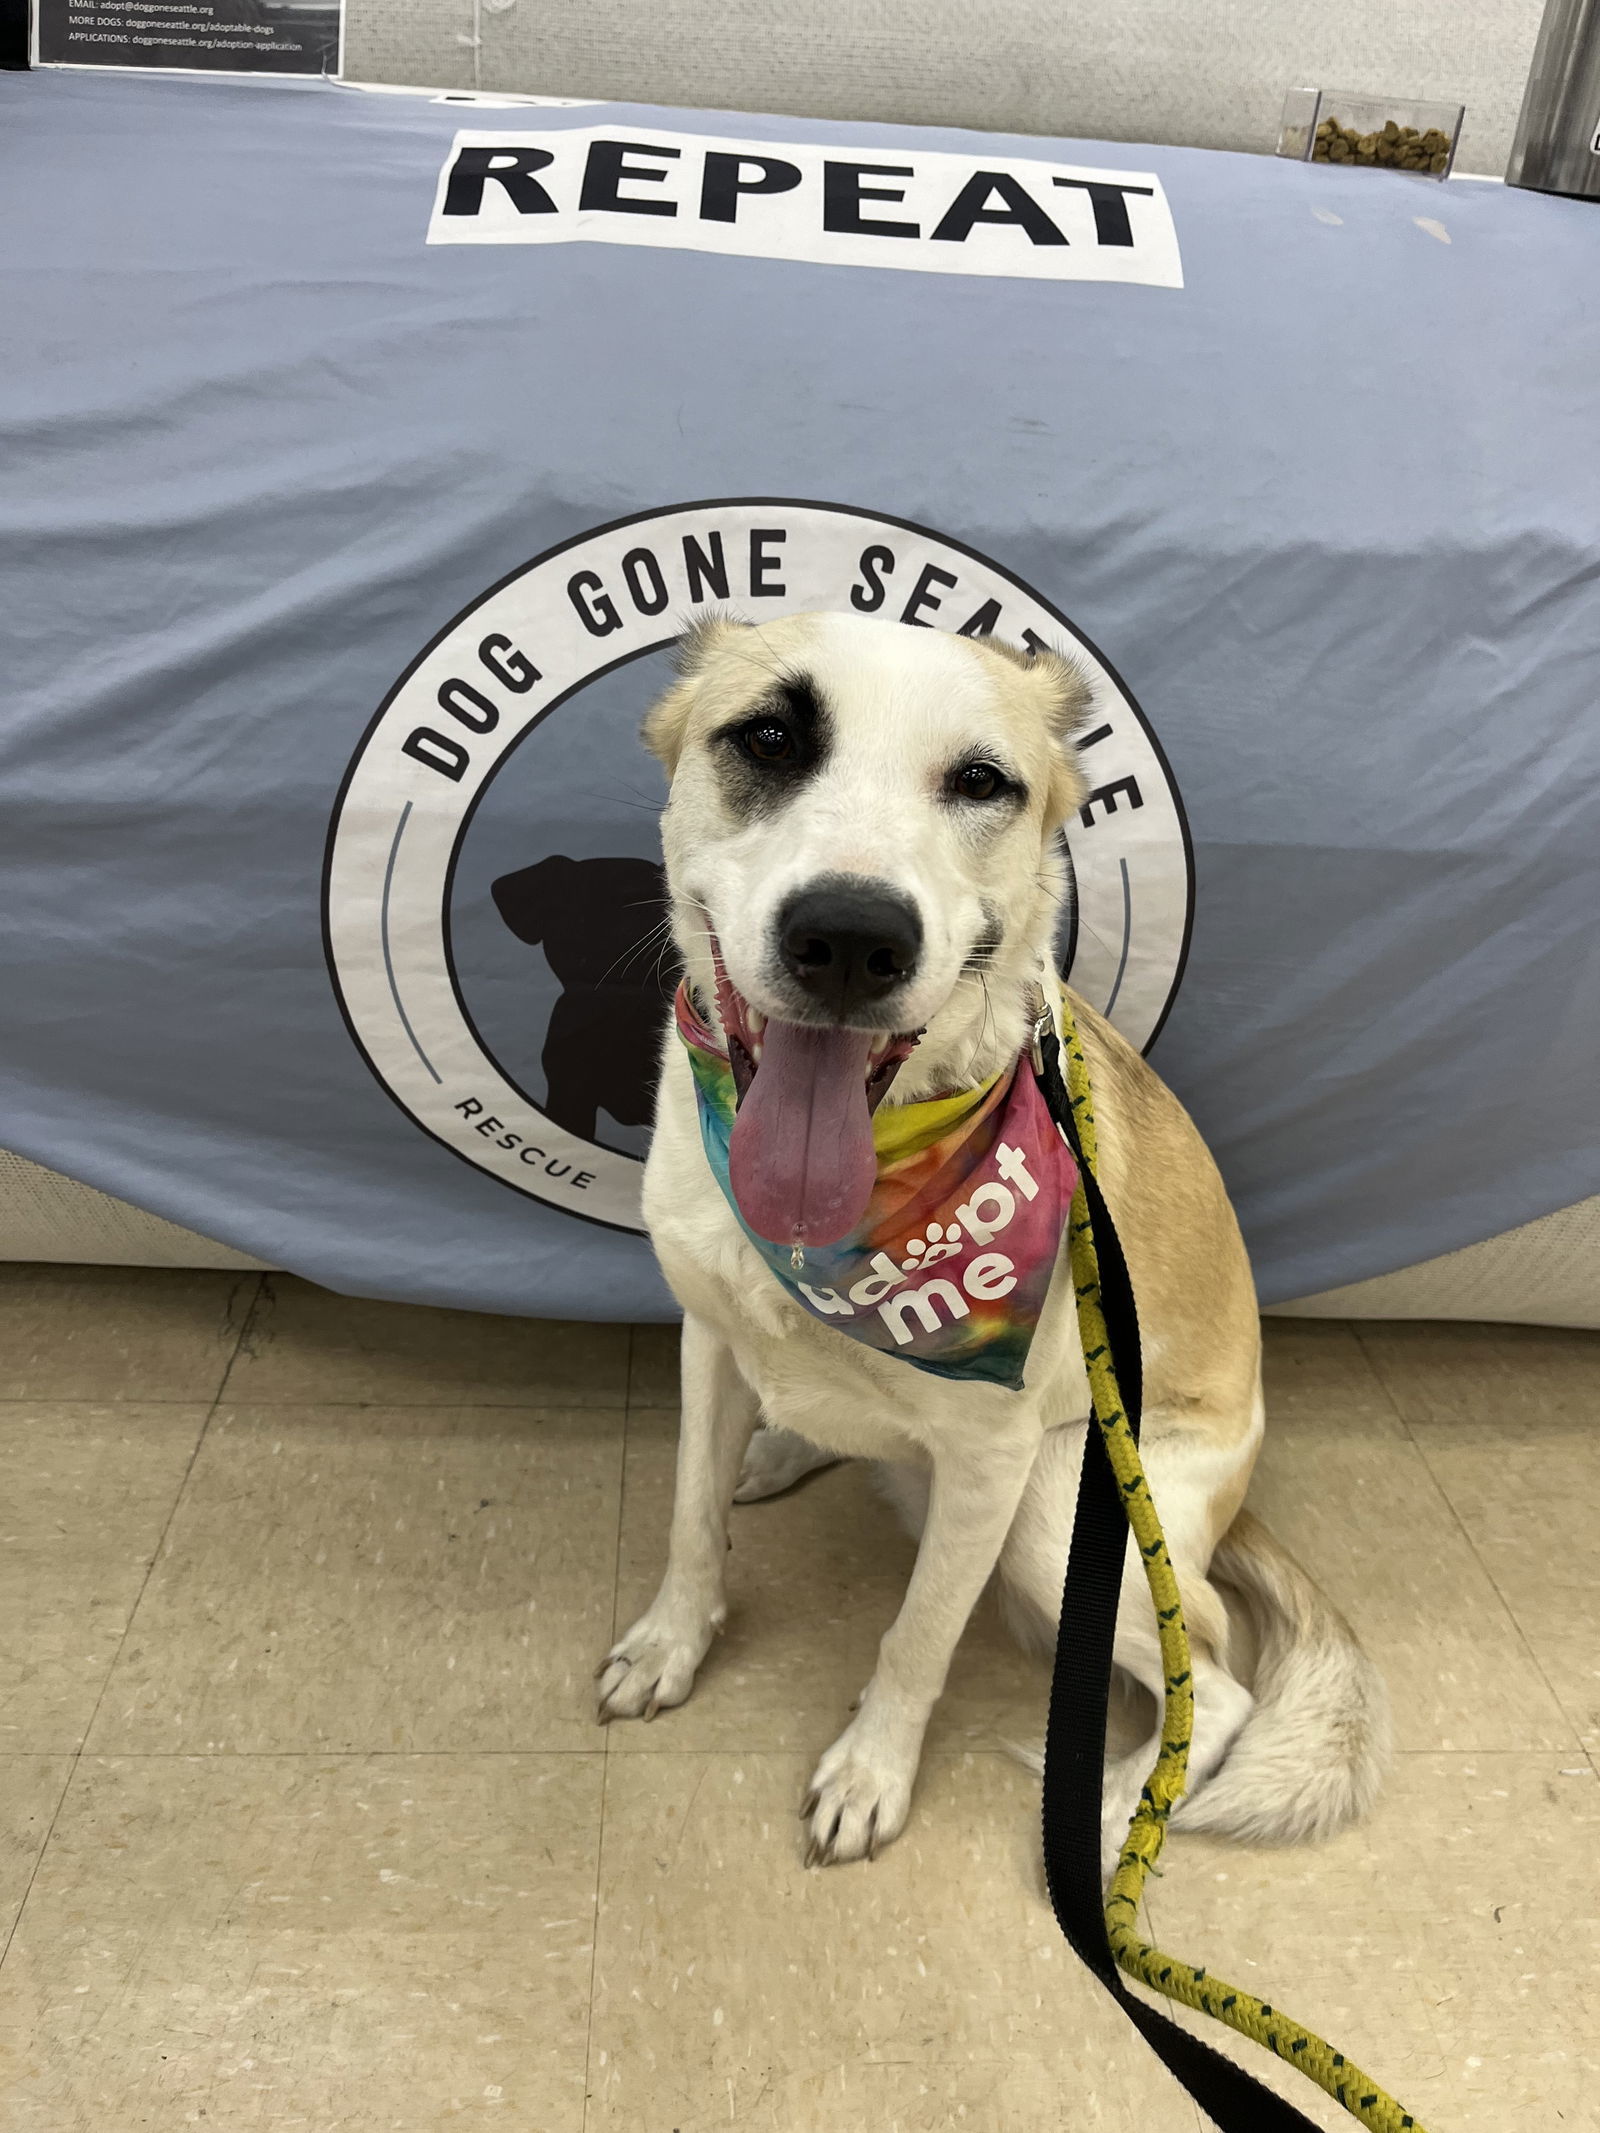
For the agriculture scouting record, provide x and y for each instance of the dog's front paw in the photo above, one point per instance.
(650, 1669)
(859, 1797)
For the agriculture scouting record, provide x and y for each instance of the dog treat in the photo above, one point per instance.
(1395, 147)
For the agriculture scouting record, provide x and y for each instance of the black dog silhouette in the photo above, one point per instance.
(597, 921)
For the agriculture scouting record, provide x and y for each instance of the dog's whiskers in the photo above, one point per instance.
(638, 947)
(621, 796)
(987, 1024)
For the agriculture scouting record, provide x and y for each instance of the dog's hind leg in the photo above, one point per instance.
(654, 1665)
(1188, 1475)
(776, 1460)
(860, 1793)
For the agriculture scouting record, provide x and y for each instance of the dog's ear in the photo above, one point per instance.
(664, 725)
(666, 720)
(523, 899)
(1067, 692)
(1059, 693)
(1057, 686)
(704, 638)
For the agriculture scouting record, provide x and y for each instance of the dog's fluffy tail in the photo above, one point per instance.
(1311, 1756)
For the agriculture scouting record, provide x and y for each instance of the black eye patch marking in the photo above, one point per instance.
(765, 755)
(979, 782)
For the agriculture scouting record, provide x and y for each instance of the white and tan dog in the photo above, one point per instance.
(861, 840)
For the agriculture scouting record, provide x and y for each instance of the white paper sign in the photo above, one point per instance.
(850, 206)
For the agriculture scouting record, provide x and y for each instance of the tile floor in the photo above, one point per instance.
(305, 1823)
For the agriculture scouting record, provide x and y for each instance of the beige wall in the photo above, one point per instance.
(1209, 75)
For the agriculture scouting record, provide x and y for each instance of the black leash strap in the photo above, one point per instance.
(1075, 1739)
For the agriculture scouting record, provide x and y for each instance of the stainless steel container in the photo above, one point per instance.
(1557, 148)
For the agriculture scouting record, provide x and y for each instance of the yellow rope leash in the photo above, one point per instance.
(1240, 2010)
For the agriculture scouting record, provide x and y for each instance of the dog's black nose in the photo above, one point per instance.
(848, 943)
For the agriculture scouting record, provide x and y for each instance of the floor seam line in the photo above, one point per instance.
(1511, 1614)
(127, 1627)
(245, 1324)
(1420, 1443)
(1375, 1370)
(61, 1801)
(1003, 1756)
(605, 1741)
(179, 1494)
(594, 1933)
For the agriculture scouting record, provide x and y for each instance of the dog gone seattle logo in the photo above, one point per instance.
(525, 652)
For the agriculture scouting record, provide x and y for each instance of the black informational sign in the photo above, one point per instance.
(217, 36)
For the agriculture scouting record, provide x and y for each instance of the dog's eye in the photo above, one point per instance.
(769, 740)
(977, 781)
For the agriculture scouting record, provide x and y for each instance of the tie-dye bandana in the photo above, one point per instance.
(951, 1263)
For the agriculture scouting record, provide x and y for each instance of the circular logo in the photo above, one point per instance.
(494, 908)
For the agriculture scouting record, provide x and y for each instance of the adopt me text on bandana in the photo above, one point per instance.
(950, 1265)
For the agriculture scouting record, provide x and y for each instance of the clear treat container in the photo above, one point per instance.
(1371, 132)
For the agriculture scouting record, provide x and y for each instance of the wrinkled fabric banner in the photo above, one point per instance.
(341, 553)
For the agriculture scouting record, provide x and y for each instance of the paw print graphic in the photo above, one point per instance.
(942, 1242)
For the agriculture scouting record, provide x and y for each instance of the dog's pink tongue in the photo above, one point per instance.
(800, 1159)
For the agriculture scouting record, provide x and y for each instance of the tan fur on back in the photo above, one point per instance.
(1186, 1258)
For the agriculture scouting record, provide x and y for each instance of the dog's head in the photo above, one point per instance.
(860, 845)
